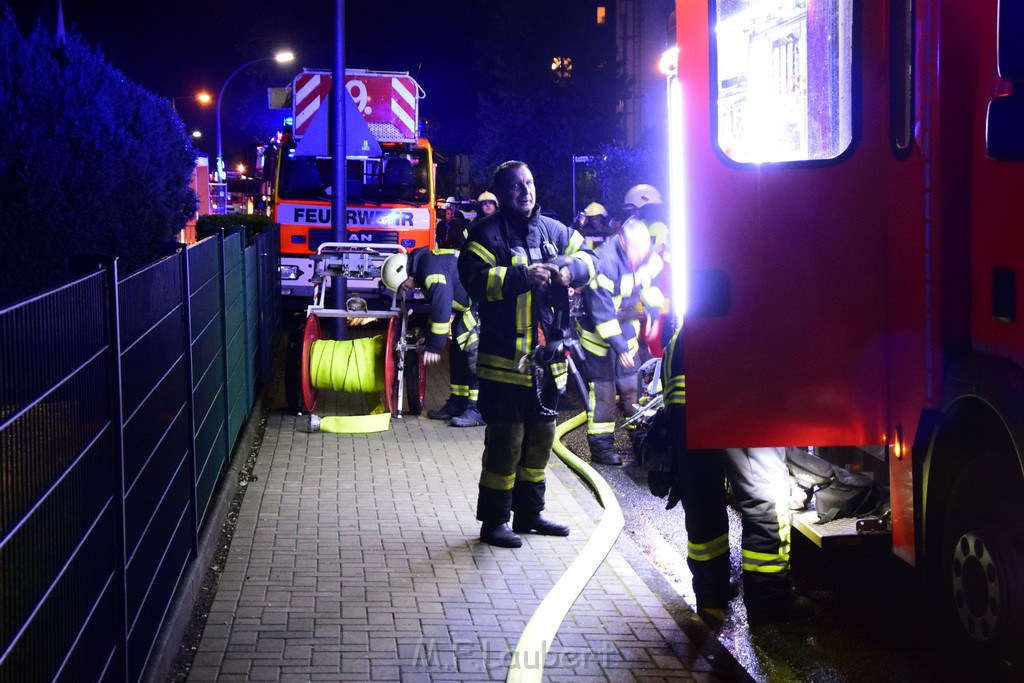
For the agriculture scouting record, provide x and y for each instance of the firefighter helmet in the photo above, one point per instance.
(641, 195)
(487, 197)
(595, 209)
(394, 271)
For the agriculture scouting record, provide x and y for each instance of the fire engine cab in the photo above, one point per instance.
(389, 174)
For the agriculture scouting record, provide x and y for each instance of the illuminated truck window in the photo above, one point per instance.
(400, 175)
(783, 79)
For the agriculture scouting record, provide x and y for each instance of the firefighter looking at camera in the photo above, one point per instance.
(435, 272)
(517, 264)
(621, 294)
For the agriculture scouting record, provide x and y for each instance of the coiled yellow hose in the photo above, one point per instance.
(350, 365)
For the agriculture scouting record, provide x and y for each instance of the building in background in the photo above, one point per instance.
(642, 33)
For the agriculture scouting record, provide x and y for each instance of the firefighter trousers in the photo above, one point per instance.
(517, 446)
(462, 376)
(760, 487)
(607, 378)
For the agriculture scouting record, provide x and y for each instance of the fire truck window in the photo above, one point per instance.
(783, 79)
(305, 178)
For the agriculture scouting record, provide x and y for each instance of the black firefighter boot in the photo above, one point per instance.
(602, 449)
(493, 511)
(528, 501)
(493, 505)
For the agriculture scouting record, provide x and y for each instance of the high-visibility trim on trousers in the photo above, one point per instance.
(703, 552)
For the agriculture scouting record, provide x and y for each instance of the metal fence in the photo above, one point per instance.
(120, 401)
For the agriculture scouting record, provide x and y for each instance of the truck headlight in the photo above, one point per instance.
(289, 272)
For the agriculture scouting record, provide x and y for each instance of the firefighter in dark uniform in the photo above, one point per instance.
(436, 273)
(760, 487)
(516, 265)
(608, 330)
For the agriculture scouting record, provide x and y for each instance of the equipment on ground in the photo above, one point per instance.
(393, 365)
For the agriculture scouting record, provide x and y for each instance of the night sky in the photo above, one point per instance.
(175, 48)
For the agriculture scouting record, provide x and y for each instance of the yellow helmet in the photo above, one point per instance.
(394, 271)
(641, 195)
(595, 209)
(487, 197)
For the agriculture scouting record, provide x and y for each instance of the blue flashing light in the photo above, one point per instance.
(408, 243)
(298, 239)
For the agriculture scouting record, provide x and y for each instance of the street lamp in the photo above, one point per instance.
(280, 58)
(203, 98)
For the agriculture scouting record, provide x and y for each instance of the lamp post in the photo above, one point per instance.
(280, 58)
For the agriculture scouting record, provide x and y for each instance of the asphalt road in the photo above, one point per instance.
(873, 621)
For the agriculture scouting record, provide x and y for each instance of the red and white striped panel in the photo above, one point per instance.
(404, 105)
(309, 92)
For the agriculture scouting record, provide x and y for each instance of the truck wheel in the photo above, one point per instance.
(293, 372)
(983, 555)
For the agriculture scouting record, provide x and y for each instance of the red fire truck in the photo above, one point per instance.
(844, 180)
(389, 173)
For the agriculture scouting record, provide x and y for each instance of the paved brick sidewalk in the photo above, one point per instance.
(357, 558)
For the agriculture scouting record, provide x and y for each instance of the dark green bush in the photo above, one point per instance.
(90, 163)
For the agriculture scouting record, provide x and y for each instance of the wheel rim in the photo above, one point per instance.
(310, 333)
(983, 564)
(390, 376)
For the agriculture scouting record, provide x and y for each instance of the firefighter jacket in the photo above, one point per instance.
(673, 376)
(615, 300)
(436, 273)
(492, 267)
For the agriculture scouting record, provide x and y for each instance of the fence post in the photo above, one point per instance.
(224, 351)
(250, 378)
(109, 266)
(190, 400)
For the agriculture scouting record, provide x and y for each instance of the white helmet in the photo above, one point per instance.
(394, 271)
(487, 197)
(642, 195)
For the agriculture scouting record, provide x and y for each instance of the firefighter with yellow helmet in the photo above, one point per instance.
(595, 228)
(436, 273)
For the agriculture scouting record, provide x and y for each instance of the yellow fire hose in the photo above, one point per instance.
(528, 659)
(350, 366)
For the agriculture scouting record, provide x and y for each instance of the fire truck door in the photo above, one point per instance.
(785, 156)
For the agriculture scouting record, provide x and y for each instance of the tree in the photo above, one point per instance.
(90, 163)
(554, 93)
(615, 170)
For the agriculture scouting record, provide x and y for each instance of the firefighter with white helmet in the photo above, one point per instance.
(436, 273)
(619, 296)
(488, 203)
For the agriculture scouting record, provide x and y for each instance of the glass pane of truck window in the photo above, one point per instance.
(784, 88)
